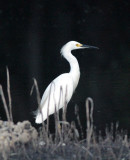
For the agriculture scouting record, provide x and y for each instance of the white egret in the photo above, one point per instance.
(61, 89)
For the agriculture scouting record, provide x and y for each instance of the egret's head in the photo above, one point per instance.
(73, 45)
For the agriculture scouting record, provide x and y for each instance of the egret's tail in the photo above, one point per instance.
(40, 118)
(37, 116)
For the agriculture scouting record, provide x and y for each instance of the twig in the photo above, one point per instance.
(9, 95)
(37, 91)
(86, 149)
(89, 114)
(4, 103)
(48, 107)
(39, 105)
(78, 120)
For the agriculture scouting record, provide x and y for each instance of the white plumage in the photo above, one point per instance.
(60, 90)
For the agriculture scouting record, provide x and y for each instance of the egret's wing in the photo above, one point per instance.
(50, 87)
(55, 85)
(46, 95)
(43, 100)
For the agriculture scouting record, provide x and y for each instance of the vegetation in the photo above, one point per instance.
(65, 143)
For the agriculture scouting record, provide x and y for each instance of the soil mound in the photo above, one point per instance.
(13, 134)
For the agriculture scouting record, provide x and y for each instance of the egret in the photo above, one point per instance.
(60, 90)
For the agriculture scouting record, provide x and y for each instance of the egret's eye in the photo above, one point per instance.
(78, 45)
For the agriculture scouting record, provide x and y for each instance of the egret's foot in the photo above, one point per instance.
(59, 127)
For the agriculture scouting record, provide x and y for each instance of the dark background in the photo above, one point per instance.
(31, 36)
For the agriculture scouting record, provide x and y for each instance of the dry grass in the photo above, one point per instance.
(65, 143)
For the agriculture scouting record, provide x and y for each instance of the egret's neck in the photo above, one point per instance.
(74, 67)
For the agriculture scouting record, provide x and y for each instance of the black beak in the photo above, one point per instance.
(90, 47)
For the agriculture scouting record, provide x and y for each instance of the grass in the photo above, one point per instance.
(65, 143)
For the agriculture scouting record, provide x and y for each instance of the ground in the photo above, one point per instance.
(22, 141)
